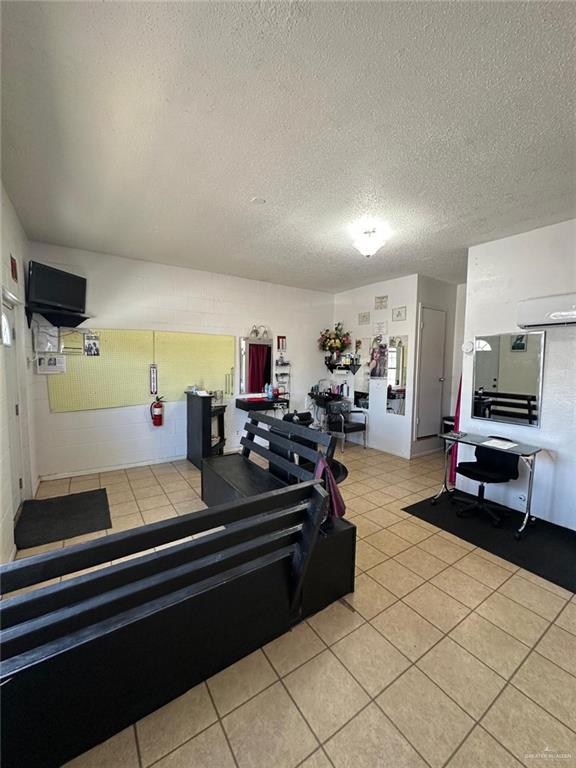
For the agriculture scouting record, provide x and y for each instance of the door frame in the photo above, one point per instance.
(419, 327)
(12, 304)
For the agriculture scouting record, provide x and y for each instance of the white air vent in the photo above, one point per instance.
(546, 311)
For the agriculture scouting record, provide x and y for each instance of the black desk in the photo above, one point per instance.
(200, 411)
(261, 403)
(527, 454)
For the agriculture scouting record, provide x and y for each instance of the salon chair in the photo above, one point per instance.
(340, 424)
(490, 467)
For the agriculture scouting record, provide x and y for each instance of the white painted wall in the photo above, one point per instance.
(519, 371)
(500, 273)
(457, 354)
(13, 242)
(126, 293)
(387, 431)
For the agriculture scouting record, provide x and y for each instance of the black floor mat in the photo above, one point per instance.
(546, 549)
(44, 520)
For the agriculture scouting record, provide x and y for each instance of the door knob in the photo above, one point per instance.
(441, 378)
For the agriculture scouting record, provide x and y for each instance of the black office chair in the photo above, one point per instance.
(491, 466)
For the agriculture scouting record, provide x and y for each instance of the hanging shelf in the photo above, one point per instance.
(352, 368)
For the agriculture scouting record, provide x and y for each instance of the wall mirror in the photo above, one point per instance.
(397, 375)
(255, 364)
(362, 349)
(508, 377)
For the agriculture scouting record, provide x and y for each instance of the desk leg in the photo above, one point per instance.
(529, 461)
(445, 489)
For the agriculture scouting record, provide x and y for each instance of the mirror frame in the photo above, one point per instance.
(403, 369)
(518, 332)
(245, 341)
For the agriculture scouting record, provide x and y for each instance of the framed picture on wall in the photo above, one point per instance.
(92, 345)
(50, 364)
(518, 343)
(13, 268)
(378, 358)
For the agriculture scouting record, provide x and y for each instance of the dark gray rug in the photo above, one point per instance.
(546, 549)
(63, 517)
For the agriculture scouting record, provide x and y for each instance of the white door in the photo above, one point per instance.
(430, 372)
(14, 440)
(487, 364)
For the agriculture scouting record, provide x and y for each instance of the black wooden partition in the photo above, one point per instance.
(83, 659)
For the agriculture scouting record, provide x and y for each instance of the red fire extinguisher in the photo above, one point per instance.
(157, 411)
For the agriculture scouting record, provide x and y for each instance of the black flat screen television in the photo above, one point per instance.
(52, 287)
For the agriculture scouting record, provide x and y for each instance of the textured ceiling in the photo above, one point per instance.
(144, 130)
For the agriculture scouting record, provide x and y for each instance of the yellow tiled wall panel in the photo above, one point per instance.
(120, 375)
(192, 358)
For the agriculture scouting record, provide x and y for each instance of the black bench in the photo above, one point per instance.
(85, 658)
(292, 452)
(506, 405)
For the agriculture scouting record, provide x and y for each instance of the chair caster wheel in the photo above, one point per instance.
(517, 535)
(433, 502)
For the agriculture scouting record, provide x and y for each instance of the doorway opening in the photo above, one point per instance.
(13, 407)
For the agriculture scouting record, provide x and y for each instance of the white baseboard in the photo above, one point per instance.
(112, 468)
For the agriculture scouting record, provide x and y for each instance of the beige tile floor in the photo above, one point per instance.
(445, 655)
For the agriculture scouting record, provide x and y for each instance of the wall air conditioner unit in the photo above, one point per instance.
(547, 311)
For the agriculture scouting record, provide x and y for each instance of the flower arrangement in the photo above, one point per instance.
(337, 341)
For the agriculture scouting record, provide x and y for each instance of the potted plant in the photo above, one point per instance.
(334, 342)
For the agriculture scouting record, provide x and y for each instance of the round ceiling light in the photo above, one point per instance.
(369, 235)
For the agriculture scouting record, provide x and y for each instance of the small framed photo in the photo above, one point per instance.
(518, 343)
(378, 367)
(14, 268)
(51, 364)
(398, 314)
(381, 302)
(364, 318)
(92, 345)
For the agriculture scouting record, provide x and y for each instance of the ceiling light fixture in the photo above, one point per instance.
(369, 235)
